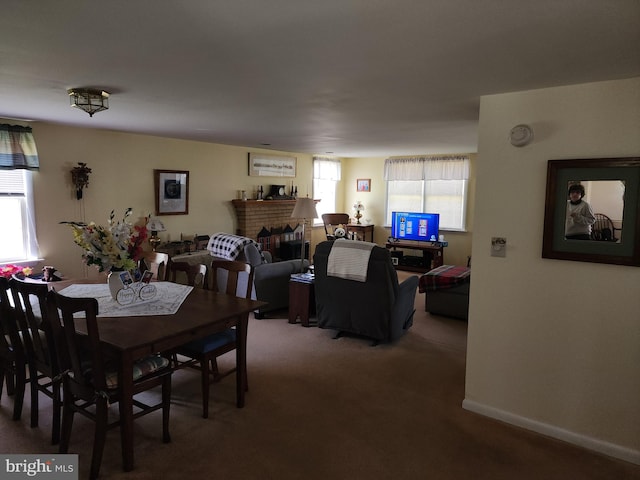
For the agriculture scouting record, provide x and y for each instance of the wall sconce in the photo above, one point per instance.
(155, 226)
(89, 100)
(80, 178)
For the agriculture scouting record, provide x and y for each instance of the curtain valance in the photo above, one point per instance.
(448, 167)
(17, 148)
(326, 168)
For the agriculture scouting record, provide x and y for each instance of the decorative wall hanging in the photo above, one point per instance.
(363, 185)
(263, 165)
(172, 192)
(80, 178)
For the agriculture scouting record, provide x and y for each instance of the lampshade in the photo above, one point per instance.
(358, 205)
(89, 100)
(155, 225)
(305, 208)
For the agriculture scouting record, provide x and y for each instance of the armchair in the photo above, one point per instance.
(379, 308)
(271, 279)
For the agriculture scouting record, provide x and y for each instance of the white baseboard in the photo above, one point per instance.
(606, 448)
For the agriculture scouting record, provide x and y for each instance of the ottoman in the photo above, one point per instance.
(446, 291)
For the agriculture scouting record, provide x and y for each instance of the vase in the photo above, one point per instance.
(114, 282)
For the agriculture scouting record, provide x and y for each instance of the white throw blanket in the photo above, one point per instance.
(349, 259)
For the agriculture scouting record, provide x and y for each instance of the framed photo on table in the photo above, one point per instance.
(171, 192)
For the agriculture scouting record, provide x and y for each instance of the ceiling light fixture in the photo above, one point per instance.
(89, 100)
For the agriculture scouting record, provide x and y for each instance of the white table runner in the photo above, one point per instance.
(167, 301)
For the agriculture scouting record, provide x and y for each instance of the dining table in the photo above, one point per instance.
(177, 315)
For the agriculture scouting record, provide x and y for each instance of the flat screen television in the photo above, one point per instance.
(421, 227)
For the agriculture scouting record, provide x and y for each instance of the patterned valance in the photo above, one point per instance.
(17, 148)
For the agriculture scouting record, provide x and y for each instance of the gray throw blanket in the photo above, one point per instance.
(349, 259)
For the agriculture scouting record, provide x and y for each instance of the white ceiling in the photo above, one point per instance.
(353, 77)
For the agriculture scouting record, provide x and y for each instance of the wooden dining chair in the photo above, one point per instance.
(195, 274)
(13, 356)
(202, 353)
(90, 383)
(331, 221)
(40, 348)
(156, 262)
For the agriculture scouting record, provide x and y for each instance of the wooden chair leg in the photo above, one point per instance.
(57, 409)
(166, 404)
(204, 382)
(33, 374)
(65, 430)
(100, 437)
(20, 385)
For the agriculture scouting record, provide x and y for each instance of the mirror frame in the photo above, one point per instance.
(559, 173)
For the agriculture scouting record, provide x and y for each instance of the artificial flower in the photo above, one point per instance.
(9, 270)
(117, 245)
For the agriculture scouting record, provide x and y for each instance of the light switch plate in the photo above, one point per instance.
(498, 247)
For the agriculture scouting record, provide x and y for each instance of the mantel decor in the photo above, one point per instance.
(264, 165)
(612, 185)
(172, 192)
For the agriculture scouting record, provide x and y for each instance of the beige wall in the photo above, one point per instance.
(122, 176)
(553, 345)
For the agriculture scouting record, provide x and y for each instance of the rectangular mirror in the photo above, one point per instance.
(591, 210)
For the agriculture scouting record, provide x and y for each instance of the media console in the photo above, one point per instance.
(432, 255)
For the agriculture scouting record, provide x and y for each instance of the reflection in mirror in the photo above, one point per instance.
(594, 210)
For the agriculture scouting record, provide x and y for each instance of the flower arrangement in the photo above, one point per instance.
(8, 270)
(115, 246)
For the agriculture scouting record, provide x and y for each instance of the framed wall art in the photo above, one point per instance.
(363, 185)
(171, 192)
(612, 191)
(263, 165)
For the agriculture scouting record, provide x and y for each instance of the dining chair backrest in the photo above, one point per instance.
(233, 269)
(331, 221)
(77, 354)
(11, 340)
(156, 262)
(6, 318)
(196, 274)
(30, 300)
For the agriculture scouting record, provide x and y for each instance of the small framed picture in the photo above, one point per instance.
(147, 276)
(363, 185)
(172, 192)
(125, 278)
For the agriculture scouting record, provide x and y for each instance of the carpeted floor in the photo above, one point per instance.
(319, 408)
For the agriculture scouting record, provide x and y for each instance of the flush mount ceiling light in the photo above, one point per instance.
(89, 100)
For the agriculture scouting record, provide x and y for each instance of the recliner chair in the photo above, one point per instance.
(379, 308)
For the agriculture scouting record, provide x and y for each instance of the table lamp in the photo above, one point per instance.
(155, 226)
(305, 208)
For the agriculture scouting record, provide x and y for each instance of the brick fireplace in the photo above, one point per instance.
(254, 215)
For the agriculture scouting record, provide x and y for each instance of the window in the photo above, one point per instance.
(326, 175)
(18, 157)
(18, 241)
(429, 184)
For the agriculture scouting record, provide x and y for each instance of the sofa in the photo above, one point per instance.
(271, 279)
(378, 308)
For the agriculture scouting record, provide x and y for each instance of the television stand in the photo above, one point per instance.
(432, 255)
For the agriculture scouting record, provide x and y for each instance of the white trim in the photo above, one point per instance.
(606, 448)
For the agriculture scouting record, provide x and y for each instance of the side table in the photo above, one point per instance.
(302, 301)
